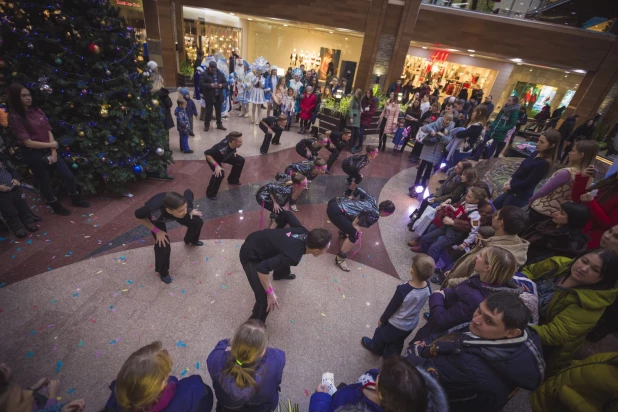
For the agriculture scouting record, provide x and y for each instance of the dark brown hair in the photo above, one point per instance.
(173, 200)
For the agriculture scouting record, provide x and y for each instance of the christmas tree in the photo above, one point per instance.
(85, 70)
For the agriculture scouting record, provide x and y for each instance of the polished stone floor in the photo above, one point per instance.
(77, 297)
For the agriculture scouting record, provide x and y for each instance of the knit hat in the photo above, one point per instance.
(152, 65)
(273, 68)
(183, 91)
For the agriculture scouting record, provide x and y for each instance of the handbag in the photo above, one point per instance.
(423, 222)
(420, 135)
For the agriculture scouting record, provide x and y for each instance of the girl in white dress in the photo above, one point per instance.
(256, 94)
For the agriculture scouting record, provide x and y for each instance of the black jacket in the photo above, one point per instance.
(166, 106)
(206, 79)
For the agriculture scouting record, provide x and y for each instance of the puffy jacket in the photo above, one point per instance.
(433, 153)
(452, 188)
(268, 376)
(207, 79)
(587, 385)
(307, 103)
(363, 206)
(479, 374)
(190, 394)
(504, 121)
(572, 312)
(368, 109)
(459, 304)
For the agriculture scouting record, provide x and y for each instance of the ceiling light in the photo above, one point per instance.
(472, 55)
(580, 71)
(516, 60)
(452, 50)
(330, 32)
(346, 38)
(530, 69)
(425, 47)
(249, 18)
(566, 75)
(285, 25)
(519, 64)
(471, 51)
(232, 14)
(567, 72)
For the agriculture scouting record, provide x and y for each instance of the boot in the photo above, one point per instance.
(77, 201)
(58, 208)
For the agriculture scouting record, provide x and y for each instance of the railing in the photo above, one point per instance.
(560, 12)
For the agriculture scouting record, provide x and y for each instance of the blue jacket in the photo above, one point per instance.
(527, 176)
(268, 376)
(191, 109)
(478, 374)
(182, 120)
(191, 395)
(268, 85)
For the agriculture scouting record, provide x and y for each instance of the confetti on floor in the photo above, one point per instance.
(81, 343)
(184, 372)
(181, 344)
(59, 366)
(197, 365)
(29, 354)
(71, 391)
(98, 354)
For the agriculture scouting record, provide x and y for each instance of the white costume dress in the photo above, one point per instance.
(256, 94)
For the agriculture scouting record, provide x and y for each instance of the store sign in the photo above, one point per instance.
(129, 4)
(439, 56)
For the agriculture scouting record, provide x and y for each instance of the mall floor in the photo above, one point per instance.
(79, 296)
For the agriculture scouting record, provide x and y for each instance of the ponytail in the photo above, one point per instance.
(248, 346)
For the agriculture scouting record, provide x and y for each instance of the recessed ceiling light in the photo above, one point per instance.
(452, 50)
(566, 75)
(580, 71)
(472, 55)
(516, 60)
(330, 32)
(425, 47)
(471, 51)
(285, 25)
(519, 64)
(249, 18)
(567, 72)
(232, 14)
(530, 69)
(346, 38)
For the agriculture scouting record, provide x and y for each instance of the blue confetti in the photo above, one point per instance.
(122, 258)
(182, 291)
(111, 307)
(3, 238)
(19, 249)
(59, 366)
(29, 242)
(291, 320)
(13, 257)
(183, 373)
(49, 268)
(33, 332)
(29, 354)
(112, 342)
(181, 344)
(71, 391)
(129, 282)
(2, 284)
(206, 259)
(53, 301)
(76, 294)
(197, 365)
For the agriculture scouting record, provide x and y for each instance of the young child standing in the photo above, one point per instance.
(191, 109)
(183, 125)
(399, 138)
(288, 106)
(401, 315)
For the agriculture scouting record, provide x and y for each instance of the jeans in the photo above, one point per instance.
(184, 141)
(361, 137)
(507, 199)
(435, 241)
(498, 147)
(40, 169)
(388, 340)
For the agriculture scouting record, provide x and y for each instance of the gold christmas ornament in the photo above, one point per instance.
(155, 102)
(81, 134)
(141, 143)
(140, 59)
(104, 110)
(129, 95)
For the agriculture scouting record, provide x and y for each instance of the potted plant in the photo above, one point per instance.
(185, 77)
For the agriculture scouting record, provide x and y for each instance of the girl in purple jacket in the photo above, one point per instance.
(245, 373)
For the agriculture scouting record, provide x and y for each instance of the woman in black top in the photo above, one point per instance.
(412, 117)
(582, 132)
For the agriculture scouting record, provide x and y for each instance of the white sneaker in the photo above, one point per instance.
(246, 114)
(293, 208)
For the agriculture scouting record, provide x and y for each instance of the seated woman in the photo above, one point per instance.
(398, 387)
(573, 294)
(454, 188)
(560, 236)
(494, 269)
(602, 201)
(274, 196)
(246, 374)
(145, 383)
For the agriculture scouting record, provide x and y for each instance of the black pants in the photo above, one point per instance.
(336, 216)
(261, 302)
(302, 151)
(40, 169)
(355, 138)
(15, 210)
(194, 227)
(304, 124)
(268, 139)
(382, 137)
(424, 171)
(388, 340)
(416, 150)
(334, 153)
(237, 162)
(217, 102)
(566, 152)
(283, 218)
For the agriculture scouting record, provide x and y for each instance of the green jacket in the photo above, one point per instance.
(588, 385)
(573, 313)
(354, 112)
(504, 121)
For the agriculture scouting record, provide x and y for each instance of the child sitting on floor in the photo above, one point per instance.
(144, 383)
(401, 315)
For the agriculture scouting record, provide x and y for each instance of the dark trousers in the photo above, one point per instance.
(285, 217)
(302, 151)
(268, 139)
(507, 199)
(416, 150)
(34, 159)
(566, 152)
(424, 172)
(334, 153)
(382, 136)
(163, 253)
(388, 340)
(237, 162)
(494, 150)
(361, 137)
(15, 210)
(435, 241)
(261, 302)
(217, 102)
(338, 219)
(304, 124)
(354, 138)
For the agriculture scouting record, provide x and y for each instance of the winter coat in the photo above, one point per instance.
(353, 395)
(479, 374)
(268, 85)
(368, 109)
(166, 106)
(391, 114)
(566, 128)
(528, 175)
(307, 104)
(464, 267)
(546, 241)
(587, 385)
(582, 130)
(182, 120)
(189, 394)
(504, 121)
(354, 113)
(603, 212)
(206, 79)
(571, 313)
(268, 375)
(451, 188)
(458, 304)
(433, 154)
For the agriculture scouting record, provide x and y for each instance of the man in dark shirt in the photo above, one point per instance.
(212, 83)
(275, 250)
(169, 207)
(224, 152)
(337, 141)
(272, 125)
(310, 147)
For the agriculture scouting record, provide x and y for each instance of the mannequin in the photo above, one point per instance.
(302, 58)
(293, 58)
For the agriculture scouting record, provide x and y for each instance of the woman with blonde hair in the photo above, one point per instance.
(245, 373)
(558, 188)
(144, 384)
(494, 269)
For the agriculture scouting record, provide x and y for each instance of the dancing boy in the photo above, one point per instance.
(272, 126)
(350, 214)
(276, 251)
(352, 166)
(169, 207)
(337, 142)
(310, 170)
(224, 152)
(309, 148)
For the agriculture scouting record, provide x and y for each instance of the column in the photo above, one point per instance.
(402, 42)
(373, 29)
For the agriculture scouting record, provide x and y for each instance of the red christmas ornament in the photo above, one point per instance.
(93, 48)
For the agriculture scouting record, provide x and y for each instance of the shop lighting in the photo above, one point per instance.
(285, 25)
(580, 71)
(472, 55)
(516, 60)
(452, 50)
(472, 51)
(424, 47)
(339, 94)
(330, 32)
(567, 72)
(249, 18)
(399, 97)
(419, 189)
(232, 14)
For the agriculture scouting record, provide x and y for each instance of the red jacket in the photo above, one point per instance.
(307, 105)
(603, 215)
(367, 115)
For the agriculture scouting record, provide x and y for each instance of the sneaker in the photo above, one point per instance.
(294, 208)
(438, 278)
(367, 343)
(426, 315)
(188, 151)
(291, 276)
(166, 279)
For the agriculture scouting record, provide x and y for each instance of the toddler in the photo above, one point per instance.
(191, 109)
(288, 106)
(401, 315)
(400, 134)
(183, 125)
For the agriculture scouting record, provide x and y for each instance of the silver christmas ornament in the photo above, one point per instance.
(160, 151)
(107, 72)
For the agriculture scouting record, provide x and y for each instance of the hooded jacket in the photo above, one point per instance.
(546, 240)
(268, 376)
(585, 385)
(479, 374)
(364, 206)
(166, 107)
(190, 394)
(504, 121)
(572, 313)
(433, 153)
(452, 188)
(458, 304)
(464, 267)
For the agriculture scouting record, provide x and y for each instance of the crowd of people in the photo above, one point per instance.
(525, 278)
